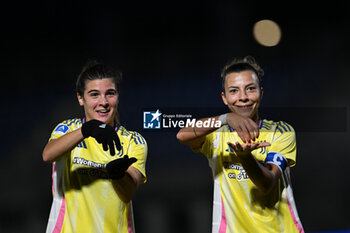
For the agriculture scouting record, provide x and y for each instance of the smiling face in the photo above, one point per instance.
(100, 100)
(242, 93)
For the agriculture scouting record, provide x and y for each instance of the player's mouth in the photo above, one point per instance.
(103, 112)
(245, 107)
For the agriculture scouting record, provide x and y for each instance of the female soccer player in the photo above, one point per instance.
(97, 163)
(249, 158)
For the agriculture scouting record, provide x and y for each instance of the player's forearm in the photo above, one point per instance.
(126, 187)
(187, 135)
(261, 176)
(56, 148)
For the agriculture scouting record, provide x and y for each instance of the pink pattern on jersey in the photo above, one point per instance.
(129, 220)
(59, 222)
(60, 218)
(223, 224)
(296, 222)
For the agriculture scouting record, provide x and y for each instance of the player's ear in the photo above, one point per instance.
(261, 93)
(223, 98)
(80, 99)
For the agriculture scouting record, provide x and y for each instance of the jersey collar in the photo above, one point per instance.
(259, 125)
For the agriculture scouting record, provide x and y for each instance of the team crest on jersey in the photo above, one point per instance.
(61, 129)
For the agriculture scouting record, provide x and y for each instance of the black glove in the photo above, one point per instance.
(116, 168)
(103, 133)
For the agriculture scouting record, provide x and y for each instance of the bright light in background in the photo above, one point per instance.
(267, 32)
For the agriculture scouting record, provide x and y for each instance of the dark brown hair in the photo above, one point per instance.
(241, 64)
(94, 70)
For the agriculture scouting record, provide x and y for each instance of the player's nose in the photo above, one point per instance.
(104, 100)
(243, 96)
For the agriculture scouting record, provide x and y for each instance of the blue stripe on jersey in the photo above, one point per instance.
(283, 127)
(279, 129)
(284, 123)
(138, 138)
(82, 144)
(266, 125)
(125, 132)
(72, 121)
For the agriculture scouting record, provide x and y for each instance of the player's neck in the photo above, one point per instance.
(255, 118)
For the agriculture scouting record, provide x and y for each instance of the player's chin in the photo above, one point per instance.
(244, 113)
(105, 118)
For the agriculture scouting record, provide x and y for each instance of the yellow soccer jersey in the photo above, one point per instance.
(84, 199)
(238, 205)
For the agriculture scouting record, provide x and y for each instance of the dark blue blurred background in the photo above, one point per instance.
(171, 54)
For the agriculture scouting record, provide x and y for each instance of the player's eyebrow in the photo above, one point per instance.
(249, 84)
(93, 90)
(111, 89)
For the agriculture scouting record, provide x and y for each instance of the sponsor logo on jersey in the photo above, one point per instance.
(61, 129)
(82, 161)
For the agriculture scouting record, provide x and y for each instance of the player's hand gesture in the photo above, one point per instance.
(247, 148)
(116, 168)
(103, 133)
(245, 127)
